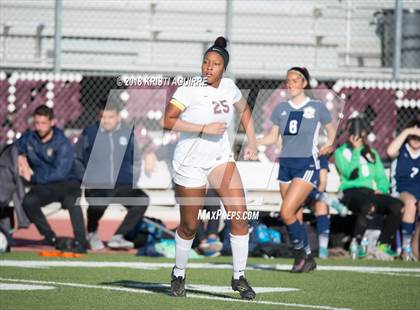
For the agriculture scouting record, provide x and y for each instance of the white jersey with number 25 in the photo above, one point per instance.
(203, 105)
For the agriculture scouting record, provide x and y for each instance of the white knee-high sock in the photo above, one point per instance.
(182, 251)
(239, 246)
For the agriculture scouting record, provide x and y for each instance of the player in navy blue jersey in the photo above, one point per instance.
(406, 178)
(298, 121)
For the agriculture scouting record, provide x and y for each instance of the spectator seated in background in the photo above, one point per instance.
(406, 181)
(365, 188)
(46, 162)
(105, 155)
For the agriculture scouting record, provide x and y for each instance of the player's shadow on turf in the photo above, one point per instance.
(268, 268)
(260, 267)
(162, 288)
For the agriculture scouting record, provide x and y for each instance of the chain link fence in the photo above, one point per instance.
(347, 45)
(334, 38)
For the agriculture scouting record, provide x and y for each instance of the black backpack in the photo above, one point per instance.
(7, 175)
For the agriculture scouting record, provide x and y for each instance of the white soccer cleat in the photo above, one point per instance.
(95, 242)
(119, 242)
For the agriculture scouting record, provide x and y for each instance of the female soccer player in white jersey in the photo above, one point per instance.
(298, 121)
(203, 155)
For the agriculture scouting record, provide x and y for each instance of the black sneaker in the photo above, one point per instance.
(303, 262)
(78, 247)
(177, 285)
(50, 241)
(242, 286)
(310, 264)
(63, 243)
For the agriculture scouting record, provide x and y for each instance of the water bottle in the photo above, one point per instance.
(354, 249)
(365, 244)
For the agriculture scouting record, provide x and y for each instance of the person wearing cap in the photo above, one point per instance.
(298, 122)
(203, 154)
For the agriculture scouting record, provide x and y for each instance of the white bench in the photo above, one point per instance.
(256, 176)
(259, 179)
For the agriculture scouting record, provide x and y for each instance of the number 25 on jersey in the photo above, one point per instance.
(220, 107)
(293, 123)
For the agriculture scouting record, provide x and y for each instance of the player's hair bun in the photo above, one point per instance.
(219, 47)
(220, 42)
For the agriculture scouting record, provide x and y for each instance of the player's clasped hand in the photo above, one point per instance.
(356, 141)
(216, 128)
(251, 152)
(25, 170)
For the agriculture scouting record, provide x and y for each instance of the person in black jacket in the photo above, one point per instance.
(107, 154)
(46, 162)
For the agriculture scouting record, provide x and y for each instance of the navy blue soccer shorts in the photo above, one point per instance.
(287, 174)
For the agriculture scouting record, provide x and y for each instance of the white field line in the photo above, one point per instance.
(155, 266)
(23, 287)
(397, 274)
(79, 285)
(190, 295)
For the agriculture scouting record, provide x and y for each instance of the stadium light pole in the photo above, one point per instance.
(348, 31)
(228, 35)
(397, 36)
(228, 27)
(6, 30)
(57, 35)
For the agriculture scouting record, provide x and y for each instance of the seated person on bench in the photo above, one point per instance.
(106, 154)
(46, 163)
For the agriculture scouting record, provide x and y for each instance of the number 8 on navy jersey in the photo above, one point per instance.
(293, 123)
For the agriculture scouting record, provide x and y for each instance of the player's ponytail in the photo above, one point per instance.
(367, 151)
(219, 47)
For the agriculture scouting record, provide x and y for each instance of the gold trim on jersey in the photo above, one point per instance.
(178, 104)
